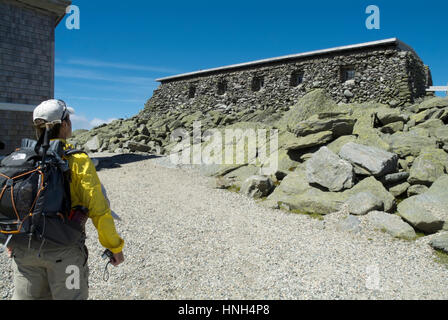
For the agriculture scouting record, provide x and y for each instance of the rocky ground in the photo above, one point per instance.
(185, 239)
(369, 156)
(355, 205)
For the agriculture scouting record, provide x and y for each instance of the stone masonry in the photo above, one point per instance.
(386, 71)
(26, 63)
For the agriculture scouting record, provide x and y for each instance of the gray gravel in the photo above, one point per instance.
(186, 240)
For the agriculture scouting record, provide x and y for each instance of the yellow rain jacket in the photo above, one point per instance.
(85, 190)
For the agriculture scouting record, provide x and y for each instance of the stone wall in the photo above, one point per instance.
(384, 74)
(15, 125)
(26, 54)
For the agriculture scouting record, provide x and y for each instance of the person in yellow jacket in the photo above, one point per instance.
(62, 272)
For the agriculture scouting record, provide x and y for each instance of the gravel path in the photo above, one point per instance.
(186, 240)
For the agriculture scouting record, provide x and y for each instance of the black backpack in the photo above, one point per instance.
(35, 194)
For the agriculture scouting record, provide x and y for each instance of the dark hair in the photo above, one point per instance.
(54, 130)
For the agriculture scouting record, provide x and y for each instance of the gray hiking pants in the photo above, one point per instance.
(59, 274)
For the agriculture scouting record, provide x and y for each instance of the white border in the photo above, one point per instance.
(17, 107)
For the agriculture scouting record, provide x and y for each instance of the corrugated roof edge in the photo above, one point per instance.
(399, 43)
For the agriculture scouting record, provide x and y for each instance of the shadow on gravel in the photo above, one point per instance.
(117, 160)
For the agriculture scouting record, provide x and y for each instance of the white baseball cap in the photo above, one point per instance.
(51, 111)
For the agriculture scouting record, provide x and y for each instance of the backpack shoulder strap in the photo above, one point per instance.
(73, 151)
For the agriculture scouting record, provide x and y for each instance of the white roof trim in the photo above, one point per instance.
(400, 44)
(17, 107)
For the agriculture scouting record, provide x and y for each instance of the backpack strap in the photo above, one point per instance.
(73, 151)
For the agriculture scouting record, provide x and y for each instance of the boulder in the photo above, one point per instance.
(392, 224)
(428, 211)
(326, 169)
(435, 102)
(137, 146)
(313, 102)
(393, 178)
(370, 184)
(337, 144)
(393, 127)
(375, 161)
(417, 189)
(441, 134)
(428, 167)
(349, 224)
(93, 144)
(422, 116)
(239, 175)
(363, 202)
(409, 143)
(399, 189)
(296, 193)
(388, 116)
(311, 140)
(338, 126)
(440, 242)
(257, 186)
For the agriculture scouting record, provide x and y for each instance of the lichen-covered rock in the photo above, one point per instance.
(410, 143)
(393, 127)
(311, 140)
(363, 202)
(239, 175)
(326, 169)
(416, 189)
(431, 103)
(338, 126)
(440, 242)
(298, 194)
(428, 167)
(388, 116)
(313, 102)
(392, 224)
(375, 161)
(428, 211)
(337, 144)
(399, 189)
(93, 144)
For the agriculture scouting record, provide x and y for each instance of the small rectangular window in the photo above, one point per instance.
(296, 78)
(222, 87)
(192, 92)
(257, 83)
(347, 73)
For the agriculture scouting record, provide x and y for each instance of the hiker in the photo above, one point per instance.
(49, 271)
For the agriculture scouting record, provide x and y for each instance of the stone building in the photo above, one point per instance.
(26, 63)
(386, 71)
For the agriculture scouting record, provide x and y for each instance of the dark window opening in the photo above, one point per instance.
(192, 92)
(296, 78)
(347, 74)
(222, 87)
(257, 83)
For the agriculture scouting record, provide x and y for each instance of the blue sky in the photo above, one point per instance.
(107, 68)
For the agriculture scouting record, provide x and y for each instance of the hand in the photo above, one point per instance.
(9, 251)
(117, 259)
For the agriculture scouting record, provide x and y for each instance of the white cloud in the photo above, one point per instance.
(82, 122)
(73, 73)
(126, 66)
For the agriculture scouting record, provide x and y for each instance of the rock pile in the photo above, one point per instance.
(369, 159)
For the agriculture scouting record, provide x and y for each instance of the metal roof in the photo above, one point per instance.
(391, 41)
